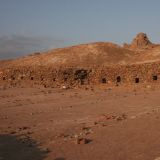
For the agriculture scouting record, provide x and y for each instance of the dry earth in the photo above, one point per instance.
(141, 50)
(116, 123)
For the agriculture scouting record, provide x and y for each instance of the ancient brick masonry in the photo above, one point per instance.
(40, 69)
(78, 77)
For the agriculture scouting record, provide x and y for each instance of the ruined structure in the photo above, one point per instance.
(90, 64)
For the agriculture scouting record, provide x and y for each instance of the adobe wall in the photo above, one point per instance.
(78, 77)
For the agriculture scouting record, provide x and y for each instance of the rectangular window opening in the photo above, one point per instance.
(136, 80)
(155, 78)
(118, 79)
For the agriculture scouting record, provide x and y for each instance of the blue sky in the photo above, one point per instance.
(34, 25)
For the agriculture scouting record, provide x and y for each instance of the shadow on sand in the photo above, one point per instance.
(14, 148)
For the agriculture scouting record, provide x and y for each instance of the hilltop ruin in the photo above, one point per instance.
(88, 64)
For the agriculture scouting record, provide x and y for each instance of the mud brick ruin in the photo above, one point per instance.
(54, 77)
(77, 76)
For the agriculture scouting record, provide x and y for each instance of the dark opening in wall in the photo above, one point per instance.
(67, 74)
(54, 79)
(118, 79)
(136, 80)
(82, 82)
(104, 80)
(81, 74)
(32, 78)
(22, 77)
(155, 77)
(4, 78)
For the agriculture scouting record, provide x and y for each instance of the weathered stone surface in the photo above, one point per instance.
(141, 41)
(94, 64)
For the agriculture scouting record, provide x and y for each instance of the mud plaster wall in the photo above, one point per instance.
(77, 77)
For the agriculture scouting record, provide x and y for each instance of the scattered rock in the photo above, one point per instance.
(104, 117)
(122, 117)
(119, 118)
(23, 128)
(65, 87)
(86, 130)
(113, 117)
(81, 141)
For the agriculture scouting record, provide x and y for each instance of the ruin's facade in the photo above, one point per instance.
(76, 77)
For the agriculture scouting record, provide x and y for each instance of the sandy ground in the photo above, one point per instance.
(47, 124)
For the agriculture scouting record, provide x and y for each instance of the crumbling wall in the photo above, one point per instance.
(51, 76)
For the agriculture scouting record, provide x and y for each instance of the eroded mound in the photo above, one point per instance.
(141, 50)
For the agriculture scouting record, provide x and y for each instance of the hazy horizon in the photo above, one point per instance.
(37, 25)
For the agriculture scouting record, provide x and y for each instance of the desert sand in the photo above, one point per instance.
(98, 123)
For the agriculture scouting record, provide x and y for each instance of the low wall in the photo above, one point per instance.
(76, 77)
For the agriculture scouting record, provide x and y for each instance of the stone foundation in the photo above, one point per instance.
(78, 77)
